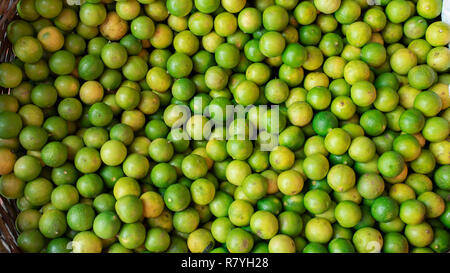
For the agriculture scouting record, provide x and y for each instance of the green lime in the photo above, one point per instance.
(31, 241)
(186, 221)
(264, 224)
(28, 49)
(394, 242)
(62, 62)
(429, 9)
(178, 7)
(434, 204)
(249, 19)
(64, 196)
(129, 208)
(80, 217)
(177, 197)
(270, 204)
(437, 34)
(358, 34)
(52, 224)
(348, 12)
(200, 241)
(10, 75)
(317, 201)
(239, 241)
(59, 245)
(220, 229)
(327, 7)
(202, 191)
(411, 121)
(90, 67)
(341, 178)
(27, 220)
(240, 212)
(86, 242)
(440, 242)
(391, 164)
(290, 223)
(106, 225)
(368, 240)
(132, 235)
(305, 13)
(92, 14)
(384, 209)
(412, 212)
(207, 6)
(370, 185)
(348, 214)
(341, 245)
(316, 166)
(38, 191)
(272, 44)
(26, 10)
(419, 235)
(318, 230)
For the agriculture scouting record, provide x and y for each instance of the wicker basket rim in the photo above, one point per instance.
(8, 208)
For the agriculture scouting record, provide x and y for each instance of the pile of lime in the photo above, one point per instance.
(344, 146)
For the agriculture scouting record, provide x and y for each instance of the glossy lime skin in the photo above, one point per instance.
(391, 164)
(275, 18)
(294, 55)
(384, 209)
(362, 131)
(227, 55)
(272, 44)
(348, 214)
